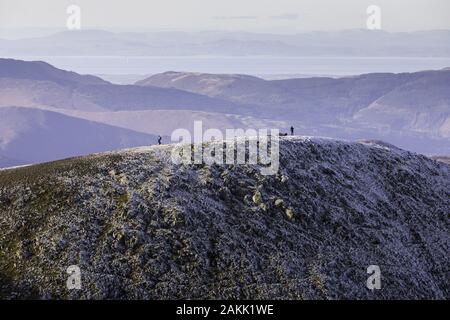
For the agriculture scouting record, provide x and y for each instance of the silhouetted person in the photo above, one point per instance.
(159, 139)
(292, 130)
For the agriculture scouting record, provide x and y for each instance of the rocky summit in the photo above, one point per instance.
(140, 227)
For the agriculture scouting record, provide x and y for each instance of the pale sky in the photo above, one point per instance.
(287, 16)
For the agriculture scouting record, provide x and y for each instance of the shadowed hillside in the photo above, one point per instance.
(34, 135)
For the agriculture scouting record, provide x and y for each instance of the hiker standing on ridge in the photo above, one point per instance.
(292, 130)
(159, 139)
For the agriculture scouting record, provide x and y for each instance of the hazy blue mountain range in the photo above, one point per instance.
(410, 110)
(320, 99)
(410, 103)
(344, 43)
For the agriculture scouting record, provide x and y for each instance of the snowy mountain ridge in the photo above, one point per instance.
(139, 226)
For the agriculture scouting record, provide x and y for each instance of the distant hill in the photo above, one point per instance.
(33, 84)
(421, 104)
(237, 88)
(418, 102)
(33, 136)
(39, 70)
(65, 114)
(410, 110)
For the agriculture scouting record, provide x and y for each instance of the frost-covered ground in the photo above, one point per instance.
(140, 227)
